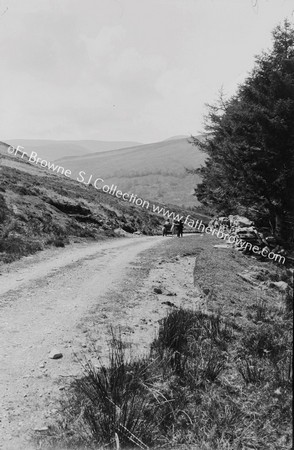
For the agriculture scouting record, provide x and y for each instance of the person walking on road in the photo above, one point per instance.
(165, 228)
(180, 228)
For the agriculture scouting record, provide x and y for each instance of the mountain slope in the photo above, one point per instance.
(51, 149)
(39, 208)
(154, 171)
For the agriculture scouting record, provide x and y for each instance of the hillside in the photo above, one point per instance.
(54, 149)
(39, 208)
(173, 138)
(155, 171)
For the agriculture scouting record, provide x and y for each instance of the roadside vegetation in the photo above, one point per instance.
(206, 384)
(216, 378)
(39, 209)
(219, 378)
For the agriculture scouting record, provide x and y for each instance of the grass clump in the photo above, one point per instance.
(206, 384)
(13, 247)
(120, 399)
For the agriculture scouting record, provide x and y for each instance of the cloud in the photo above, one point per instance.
(131, 65)
(124, 69)
(121, 69)
(105, 43)
(180, 94)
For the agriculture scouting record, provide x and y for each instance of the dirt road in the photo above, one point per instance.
(67, 299)
(42, 300)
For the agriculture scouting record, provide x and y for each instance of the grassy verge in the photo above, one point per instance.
(219, 379)
(207, 384)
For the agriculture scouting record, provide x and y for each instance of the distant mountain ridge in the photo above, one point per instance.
(180, 136)
(156, 171)
(39, 208)
(55, 149)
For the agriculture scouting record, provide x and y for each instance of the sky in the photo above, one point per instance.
(139, 70)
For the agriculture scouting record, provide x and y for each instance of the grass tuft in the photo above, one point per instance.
(207, 384)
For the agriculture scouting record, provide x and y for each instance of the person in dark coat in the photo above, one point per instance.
(180, 228)
(165, 228)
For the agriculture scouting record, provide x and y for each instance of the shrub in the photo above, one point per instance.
(119, 399)
(3, 209)
(57, 241)
(265, 340)
(251, 370)
(17, 246)
(288, 300)
(187, 393)
(182, 326)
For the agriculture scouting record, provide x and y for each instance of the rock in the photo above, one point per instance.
(282, 286)
(222, 246)
(157, 290)
(242, 221)
(169, 304)
(55, 354)
(164, 291)
(121, 232)
(40, 429)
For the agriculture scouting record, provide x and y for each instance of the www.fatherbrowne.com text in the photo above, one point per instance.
(98, 184)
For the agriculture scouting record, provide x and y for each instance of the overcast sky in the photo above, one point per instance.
(124, 69)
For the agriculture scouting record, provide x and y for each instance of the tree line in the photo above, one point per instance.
(250, 143)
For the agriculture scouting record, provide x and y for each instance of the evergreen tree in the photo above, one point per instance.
(250, 140)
